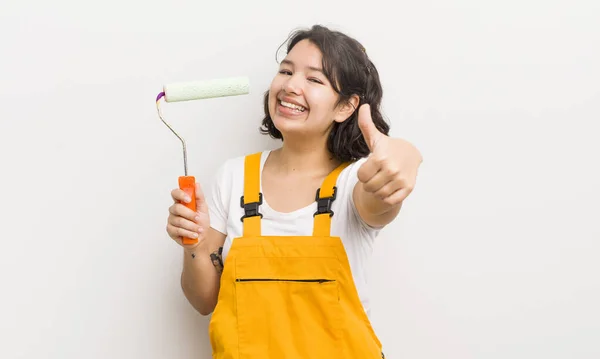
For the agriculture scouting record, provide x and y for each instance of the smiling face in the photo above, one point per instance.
(301, 98)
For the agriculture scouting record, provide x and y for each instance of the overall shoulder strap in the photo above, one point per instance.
(325, 197)
(252, 198)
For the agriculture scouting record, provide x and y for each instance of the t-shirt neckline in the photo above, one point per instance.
(266, 209)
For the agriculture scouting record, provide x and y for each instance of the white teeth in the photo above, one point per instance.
(292, 106)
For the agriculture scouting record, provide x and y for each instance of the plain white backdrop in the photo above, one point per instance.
(495, 255)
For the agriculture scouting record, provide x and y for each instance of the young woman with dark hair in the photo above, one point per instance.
(284, 236)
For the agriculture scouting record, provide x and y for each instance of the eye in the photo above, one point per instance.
(285, 72)
(313, 79)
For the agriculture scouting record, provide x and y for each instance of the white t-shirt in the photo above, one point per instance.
(223, 200)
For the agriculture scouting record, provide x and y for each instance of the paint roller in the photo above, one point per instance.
(198, 90)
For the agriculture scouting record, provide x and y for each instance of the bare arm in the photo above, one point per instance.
(202, 264)
(201, 273)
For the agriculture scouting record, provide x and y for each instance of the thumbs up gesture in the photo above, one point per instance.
(389, 174)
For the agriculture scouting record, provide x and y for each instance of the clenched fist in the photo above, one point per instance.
(390, 172)
(184, 222)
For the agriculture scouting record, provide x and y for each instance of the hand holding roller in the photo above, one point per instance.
(197, 90)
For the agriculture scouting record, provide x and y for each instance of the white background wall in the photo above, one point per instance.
(495, 255)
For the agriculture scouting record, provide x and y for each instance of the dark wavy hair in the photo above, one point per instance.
(350, 72)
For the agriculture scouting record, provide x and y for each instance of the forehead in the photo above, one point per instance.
(305, 54)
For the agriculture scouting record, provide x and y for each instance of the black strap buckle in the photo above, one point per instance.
(324, 204)
(251, 209)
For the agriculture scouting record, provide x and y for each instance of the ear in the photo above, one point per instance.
(345, 110)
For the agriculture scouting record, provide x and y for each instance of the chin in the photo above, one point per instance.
(288, 126)
(284, 124)
(299, 130)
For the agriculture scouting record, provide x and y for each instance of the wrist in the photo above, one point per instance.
(197, 250)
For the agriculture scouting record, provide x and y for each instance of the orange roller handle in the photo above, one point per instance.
(188, 185)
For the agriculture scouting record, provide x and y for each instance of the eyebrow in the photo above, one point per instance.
(288, 62)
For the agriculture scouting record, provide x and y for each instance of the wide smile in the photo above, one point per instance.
(292, 106)
(290, 109)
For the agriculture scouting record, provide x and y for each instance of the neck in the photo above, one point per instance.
(307, 157)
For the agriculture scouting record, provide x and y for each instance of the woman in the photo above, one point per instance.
(284, 236)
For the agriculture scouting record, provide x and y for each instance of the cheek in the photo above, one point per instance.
(277, 84)
(271, 104)
(273, 92)
(320, 102)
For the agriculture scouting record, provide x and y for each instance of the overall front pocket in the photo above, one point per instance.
(288, 317)
(284, 280)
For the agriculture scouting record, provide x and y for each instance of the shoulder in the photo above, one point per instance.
(228, 177)
(225, 187)
(349, 176)
(233, 167)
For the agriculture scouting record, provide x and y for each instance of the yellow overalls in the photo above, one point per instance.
(289, 297)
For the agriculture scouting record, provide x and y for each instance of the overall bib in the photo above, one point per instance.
(289, 297)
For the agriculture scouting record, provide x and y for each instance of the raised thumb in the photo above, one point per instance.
(367, 127)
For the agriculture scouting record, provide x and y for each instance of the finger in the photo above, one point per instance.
(200, 200)
(398, 197)
(180, 210)
(178, 195)
(377, 182)
(178, 233)
(367, 170)
(389, 188)
(383, 177)
(367, 127)
(179, 240)
(180, 222)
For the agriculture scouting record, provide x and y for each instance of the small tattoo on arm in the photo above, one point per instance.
(217, 259)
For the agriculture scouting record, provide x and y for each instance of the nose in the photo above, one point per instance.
(293, 84)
